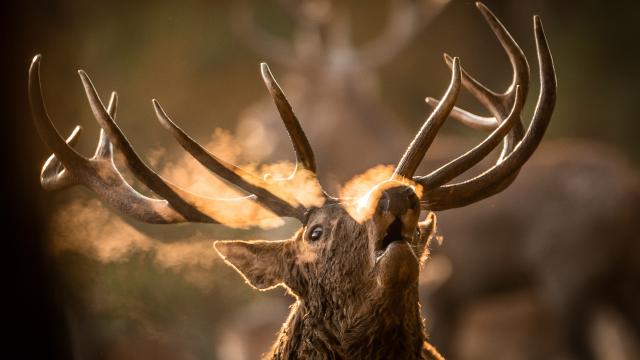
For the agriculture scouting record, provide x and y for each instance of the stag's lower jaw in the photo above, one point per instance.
(396, 234)
(398, 267)
(396, 263)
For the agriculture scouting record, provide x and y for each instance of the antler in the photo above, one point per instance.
(505, 108)
(99, 173)
(498, 104)
(66, 167)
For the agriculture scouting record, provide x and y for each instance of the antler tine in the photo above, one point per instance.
(487, 97)
(514, 52)
(417, 149)
(216, 165)
(301, 146)
(54, 176)
(231, 173)
(499, 104)
(105, 149)
(467, 118)
(466, 161)
(64, 153)
(497, 178)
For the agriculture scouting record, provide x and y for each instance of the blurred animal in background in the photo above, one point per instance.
(354, 264)
(333, 82)
(565, 234)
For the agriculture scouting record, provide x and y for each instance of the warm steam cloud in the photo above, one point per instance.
(302, 188)
(88, 227)
(359, 185)
(359, 191)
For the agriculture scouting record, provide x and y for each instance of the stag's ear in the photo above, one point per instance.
(261, 263)
(428, 229)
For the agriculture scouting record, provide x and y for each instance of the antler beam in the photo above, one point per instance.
(505, 108)
(66, 167)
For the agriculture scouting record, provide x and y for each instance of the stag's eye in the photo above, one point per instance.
(316, 233)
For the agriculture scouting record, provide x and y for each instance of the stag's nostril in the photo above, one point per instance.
(384, 203)
(397, 200)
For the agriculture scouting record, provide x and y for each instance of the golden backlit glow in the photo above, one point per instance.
(88, 227)
(359, 192)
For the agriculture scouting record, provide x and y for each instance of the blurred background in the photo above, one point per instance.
(550, 268)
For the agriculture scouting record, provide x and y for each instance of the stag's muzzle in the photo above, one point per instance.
(398, 200)
(395, 211)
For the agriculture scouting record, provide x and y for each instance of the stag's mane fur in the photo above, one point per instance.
(334, 319)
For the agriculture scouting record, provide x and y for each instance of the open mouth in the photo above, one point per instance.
(393, 234)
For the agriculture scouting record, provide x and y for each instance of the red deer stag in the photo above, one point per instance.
(353, 266)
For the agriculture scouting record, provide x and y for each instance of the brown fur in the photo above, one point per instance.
(349, 306)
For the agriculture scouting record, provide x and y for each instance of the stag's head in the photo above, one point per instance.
(354, 263)
(366, 247)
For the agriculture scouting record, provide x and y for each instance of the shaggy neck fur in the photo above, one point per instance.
(387, 327)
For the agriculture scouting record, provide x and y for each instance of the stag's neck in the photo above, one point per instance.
(377, 330)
